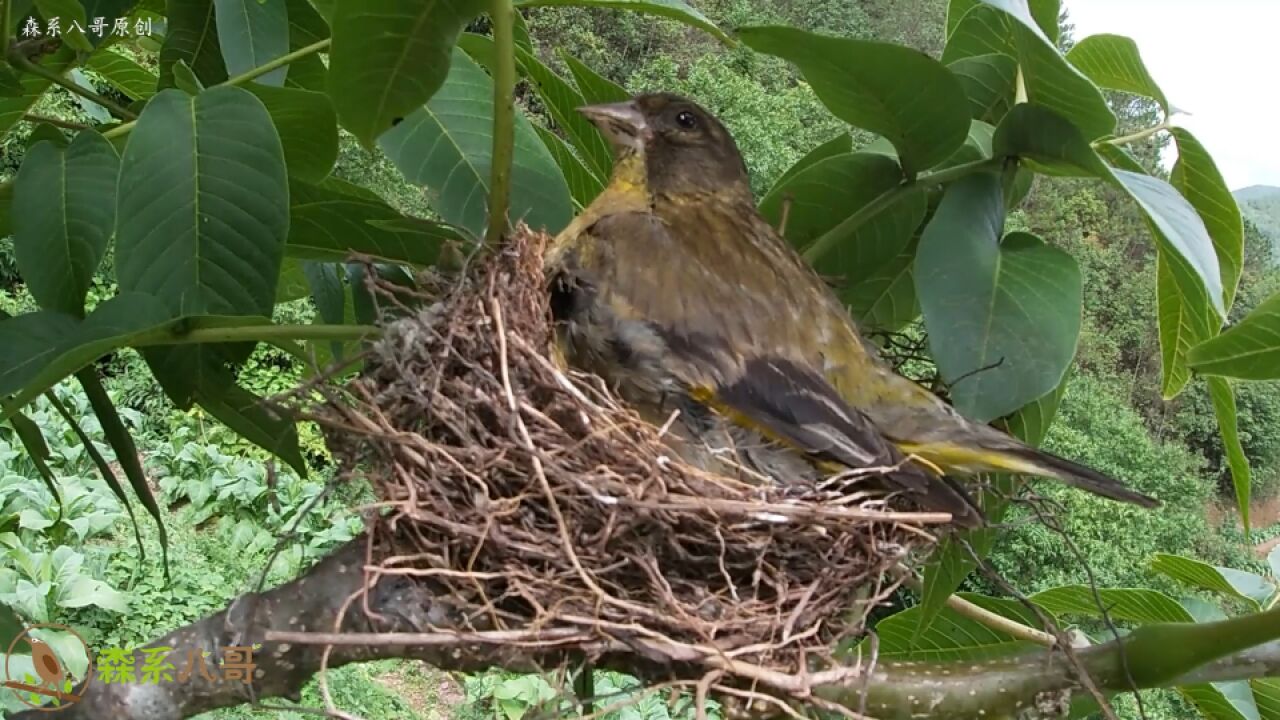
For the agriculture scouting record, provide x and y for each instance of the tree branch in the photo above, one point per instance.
(21, 62)
(293, 621)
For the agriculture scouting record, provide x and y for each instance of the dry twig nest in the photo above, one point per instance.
(554, 514)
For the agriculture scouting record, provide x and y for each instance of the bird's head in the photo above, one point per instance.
(683, 147)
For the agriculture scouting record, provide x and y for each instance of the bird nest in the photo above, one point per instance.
(551, 513)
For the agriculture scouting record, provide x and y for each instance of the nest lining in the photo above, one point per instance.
(539, 502)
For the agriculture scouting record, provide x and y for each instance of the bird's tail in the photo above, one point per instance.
(990, 450)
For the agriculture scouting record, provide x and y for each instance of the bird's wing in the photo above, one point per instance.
(799, 407)
(735, 345)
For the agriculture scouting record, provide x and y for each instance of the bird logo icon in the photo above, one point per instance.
(50, 688)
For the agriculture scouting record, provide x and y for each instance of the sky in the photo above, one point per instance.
(1218, 60)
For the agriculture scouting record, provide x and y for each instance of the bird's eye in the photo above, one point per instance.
(686, 120)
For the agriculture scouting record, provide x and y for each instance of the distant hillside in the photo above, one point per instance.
(1261, 204)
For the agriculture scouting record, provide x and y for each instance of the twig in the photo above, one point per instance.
(982, 615)
(64, 124)
(23, 63)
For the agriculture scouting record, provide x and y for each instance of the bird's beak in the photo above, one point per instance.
(622, 123)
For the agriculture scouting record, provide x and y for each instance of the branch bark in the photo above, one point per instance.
(412, 622)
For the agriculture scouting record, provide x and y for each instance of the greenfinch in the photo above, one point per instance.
(672, 287)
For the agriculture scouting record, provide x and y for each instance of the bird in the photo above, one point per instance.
(672, 287)
(45, 662)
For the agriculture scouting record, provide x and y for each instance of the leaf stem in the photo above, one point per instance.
(828, 240)
(21, 62)
(1138, 136)
(279, 62)
(64, 124)
(504, 91)
(273, 334)
(244, 77)
(982, 616)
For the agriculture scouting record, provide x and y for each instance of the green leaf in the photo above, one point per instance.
(32, 439)
(1113, 62)
(100, 463)
(292, 284)
(953, 637)
(333, 303)
(10, 87)
(562, 101)
(125, 450)
(904, 95)
(595, 88)
(1246, 586)
(33, 87)
(447, 146)
(39, 349)
(1266, 693)
(1249, 350)
(326, 8)
(1057, 147)
(1051, 143)
(184, 79)
(202, 214)
(28, 342)
(1187, 265)
(243, 412)
(952, 561)
(673, 9)
(68, 201)
(1222, 700)
(391, 56)
(886, 298)
(123, 74)
(838, 145)
(1182, 316)
(252, 33)
(1040, 18)
(1031, 423)
(977, 145)
(202, 218)
(822, 197)
(1224, 408)
(989, 83)
(583, 183)
(307, 125)
(976, 31)
(1006, 27)
(1043, 13)
(1137, 605)
(1179, 226)
(1003, 317)
(70, 14)
(306, 27)
(192, 37)
(329, 222)
(1196, 176)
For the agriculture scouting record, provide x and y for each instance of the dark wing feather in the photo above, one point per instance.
(799, 407)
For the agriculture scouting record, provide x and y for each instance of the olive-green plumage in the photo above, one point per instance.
(672, 287)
